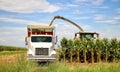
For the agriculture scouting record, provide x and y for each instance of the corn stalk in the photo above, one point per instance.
(84, 48)
(72, 49)
(64, 46)
(77, 43)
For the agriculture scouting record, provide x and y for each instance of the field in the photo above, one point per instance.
(17, 62)
(5, 50)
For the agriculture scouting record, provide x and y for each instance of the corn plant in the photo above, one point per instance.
(106, 48)
(83, 50)
(118, 50)
(77, 43)
(84, 45)
(72, 49)
(99, 49)
(64, 46)
(113, 48)
(90, 47)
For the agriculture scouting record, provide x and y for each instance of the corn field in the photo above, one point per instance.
(11, 48)
(89, 51)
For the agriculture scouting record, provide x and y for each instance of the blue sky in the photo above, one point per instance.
(102, 16)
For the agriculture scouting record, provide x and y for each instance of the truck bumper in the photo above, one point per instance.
(41, 58)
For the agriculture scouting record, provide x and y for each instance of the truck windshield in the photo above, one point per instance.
(41, 39)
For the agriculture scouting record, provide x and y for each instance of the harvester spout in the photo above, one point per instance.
(60, 17)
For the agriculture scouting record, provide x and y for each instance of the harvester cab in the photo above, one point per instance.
(87, 35)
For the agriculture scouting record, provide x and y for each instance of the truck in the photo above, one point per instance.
(41, 42)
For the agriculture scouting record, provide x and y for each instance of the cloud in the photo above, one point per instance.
(86, 27)
(93, 2)
(99, 16)
(110, 21)
(101, 7)
(78, 12)
(66, 30)
(117, 17)
(82, 17)
(97, 2)
(19, 21)
(12, 36)
(106, 19)
(81, 0)
(72, 5)
(114, 0)
(65, 6)
(118, 10)
(110, 32)
(28, 6)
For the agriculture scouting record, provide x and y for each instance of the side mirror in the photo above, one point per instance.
(26, 41)
(56, 40)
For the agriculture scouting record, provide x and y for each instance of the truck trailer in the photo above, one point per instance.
(41, 42)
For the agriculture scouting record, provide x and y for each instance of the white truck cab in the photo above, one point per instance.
(41, 42)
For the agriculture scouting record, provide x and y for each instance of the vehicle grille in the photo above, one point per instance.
(41, 51)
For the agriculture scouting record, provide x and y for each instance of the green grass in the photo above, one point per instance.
(62, 67)
(10, 52)
(19, 64)
(22, 65)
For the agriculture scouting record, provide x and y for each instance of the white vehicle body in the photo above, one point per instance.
(41, 42)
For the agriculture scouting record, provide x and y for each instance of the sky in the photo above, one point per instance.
(101, 16)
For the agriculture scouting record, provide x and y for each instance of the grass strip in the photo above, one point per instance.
(10, 52)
